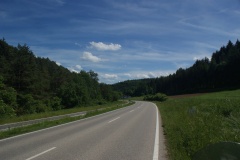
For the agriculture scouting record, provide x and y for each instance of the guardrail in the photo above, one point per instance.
(30, 122)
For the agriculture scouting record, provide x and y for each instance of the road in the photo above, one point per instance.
(129, 133)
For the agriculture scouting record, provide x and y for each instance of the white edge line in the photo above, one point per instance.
(37, 155)
(114, 120)
(156, 143)
(62, 124)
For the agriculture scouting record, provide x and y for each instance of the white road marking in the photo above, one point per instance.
(114, 120)
(37, 155)
(131, 111)
(156, 143)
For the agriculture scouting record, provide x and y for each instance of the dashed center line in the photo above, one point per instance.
(114, 120)
(37, 155)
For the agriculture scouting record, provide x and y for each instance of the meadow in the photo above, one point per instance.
(193, 122)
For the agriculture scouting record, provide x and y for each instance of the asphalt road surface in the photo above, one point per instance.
(130, 133)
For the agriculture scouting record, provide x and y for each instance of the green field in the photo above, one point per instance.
(192, 122)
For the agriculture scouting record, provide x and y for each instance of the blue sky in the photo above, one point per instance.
(121, 39)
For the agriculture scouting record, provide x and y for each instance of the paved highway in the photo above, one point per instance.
(129, 133)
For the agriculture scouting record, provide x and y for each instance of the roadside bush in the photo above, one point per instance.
(101, 102)
(55, 103)
(157, 97)
(40, 106)
(8, 100)
(9, 96)
(28, 105)
(6, 110)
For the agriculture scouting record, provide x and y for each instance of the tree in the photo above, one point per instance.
(24, 69)
(8, 100)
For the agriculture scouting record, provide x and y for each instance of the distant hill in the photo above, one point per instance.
(220, 73)
(30, 84)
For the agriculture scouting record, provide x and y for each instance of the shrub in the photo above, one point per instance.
(6, 110)
(157, 97)
(28, 105)
(55, 103)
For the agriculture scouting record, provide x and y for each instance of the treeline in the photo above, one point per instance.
(30, 84)
(220, 73)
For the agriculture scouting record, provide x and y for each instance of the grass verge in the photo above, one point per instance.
(46, 124)
(191, 123)
(57, 113)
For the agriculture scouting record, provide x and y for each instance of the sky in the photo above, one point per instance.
(121, 39)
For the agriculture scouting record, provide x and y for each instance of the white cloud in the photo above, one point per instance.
(77, 44)
(147, 74)
(72, 70)
(102, 46)
(59, 64)
(78, 67)
(90, 57)
(75, 69)
(109, 76)
(127, 74)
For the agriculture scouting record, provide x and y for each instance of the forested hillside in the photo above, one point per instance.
(30, 84)
(220, 73)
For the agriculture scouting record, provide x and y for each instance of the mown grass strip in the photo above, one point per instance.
(46, 124)
(191, 123)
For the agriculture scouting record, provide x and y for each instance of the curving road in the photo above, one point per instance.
(128, 133)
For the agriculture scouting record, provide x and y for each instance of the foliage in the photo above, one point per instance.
(108, 93)
(5, 110)
(219, 73)
(55, 103)
(7, 100)
(157, 97)
(30, 84)
(192, 123)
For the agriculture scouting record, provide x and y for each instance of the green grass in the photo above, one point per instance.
(56, 113)
(192, 123)
(35, 127)
(46, 124)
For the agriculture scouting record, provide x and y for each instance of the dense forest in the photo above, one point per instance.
(220, 73)
(30, 84)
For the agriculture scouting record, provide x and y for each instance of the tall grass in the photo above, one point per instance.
(192, 123)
